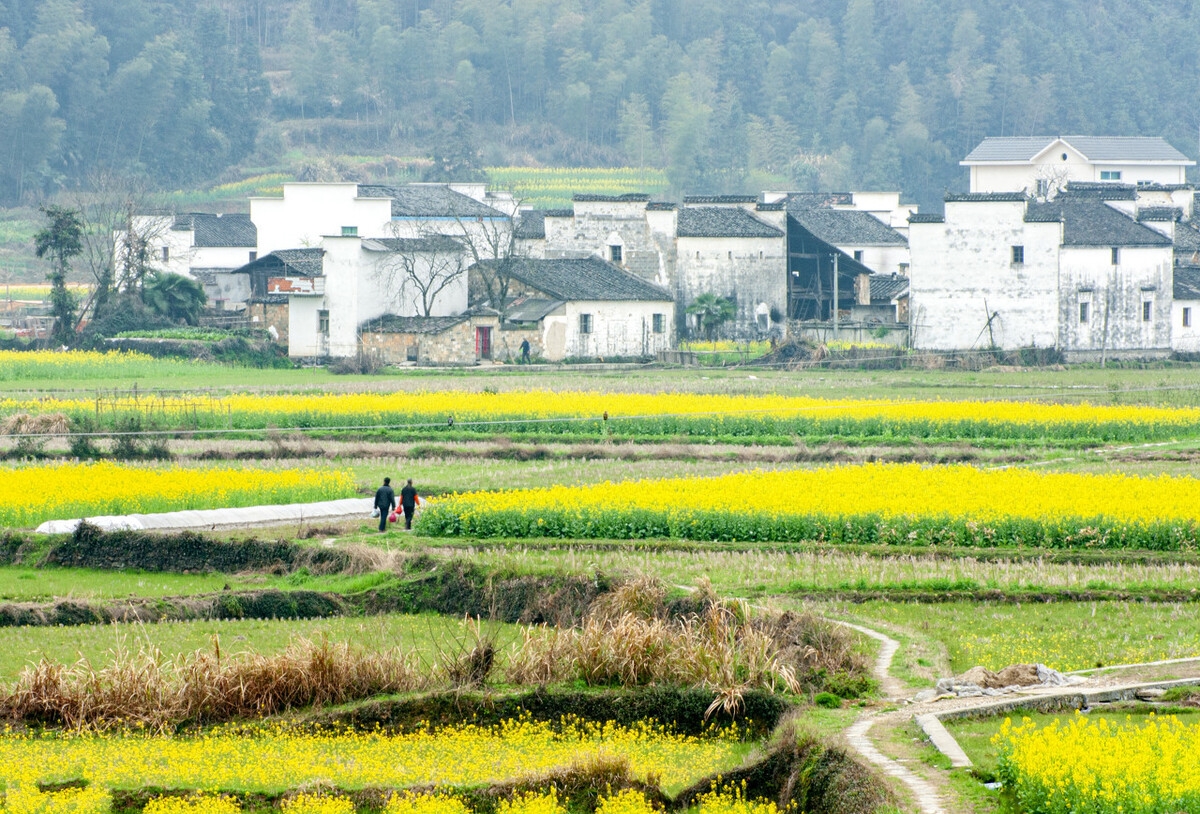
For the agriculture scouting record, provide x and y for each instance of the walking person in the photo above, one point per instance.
(408, 502)
(385, 502)
(524, 351)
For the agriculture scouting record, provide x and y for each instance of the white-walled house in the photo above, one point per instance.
(585, 307)
(1078, 274)
(199, 245)
(1185, 309)
(1041, 165)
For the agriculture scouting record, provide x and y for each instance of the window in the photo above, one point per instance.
(614, 254)
(1110, 175)
(585, 323)
(1187, 317)
(1043, 187)
(1116, 256)
(731, 255)
(858, 255)
(349, 231)
(904, 269)
(253, 256)
(1084, 308)
(322, 322)
(1147, 307)
(166, 253)
(1018, 255)
(660, 323)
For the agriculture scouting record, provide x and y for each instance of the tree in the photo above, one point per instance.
(61, 239)
(456, 158)
(713, 311)
(174, 296)
(492, 246)
(419, 269)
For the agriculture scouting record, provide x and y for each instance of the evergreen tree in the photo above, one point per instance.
(60, 239)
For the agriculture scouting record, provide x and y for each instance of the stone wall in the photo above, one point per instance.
(265, 314)
(453, 346)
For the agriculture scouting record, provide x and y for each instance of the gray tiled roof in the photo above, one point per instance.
(807, 200)
(984, 197)
(661, 206)
(720, 199)
(926, 217)
(430, 244)
(886, 286)
(1094, 148)
(234, 230)
(1187, 236)
(289, 262)
(1094, 223)
(722, 221)
(530, 309)
(587, 278)
(532, 224)
(846, 227)
(392, 324)
(1161, 214)
(628, 197)
(559, 213)
(1101, 190)
(429, 201)
(1187, 283)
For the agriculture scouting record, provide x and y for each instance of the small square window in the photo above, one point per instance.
(1147, 306)
(1187, 317)
(585, 323)
(1110, 175)
(349, 231)
(253, 256)
(1018, 255)
(615, 254)
(166, 254)
(322, 322)
(660, 323)
(1116, 256)
(858, 255)
(1043, 187)
(1084, 309)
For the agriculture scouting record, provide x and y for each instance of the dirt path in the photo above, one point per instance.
(930, 794)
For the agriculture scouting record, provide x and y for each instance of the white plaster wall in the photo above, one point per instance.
(961, 271)
(1115, 294)
(384, 284)
(881, 259)
(622, 328)
(219, 257)
(308, 212)
(647, 248)
(303, 339)
(157, 231)
(1185, 340)
(752, 270)
(1023, 177)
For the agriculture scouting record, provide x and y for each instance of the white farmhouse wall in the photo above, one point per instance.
(890, 259)
(1185, 338)
(308, 212)
(624, 328)
(1115, 298)
(962, 272)
(597, 225)
(1052, 167)
(751, 270)
(304, 340)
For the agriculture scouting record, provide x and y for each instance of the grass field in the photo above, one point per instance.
(428, 636)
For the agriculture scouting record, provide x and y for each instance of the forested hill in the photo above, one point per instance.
(727, 96)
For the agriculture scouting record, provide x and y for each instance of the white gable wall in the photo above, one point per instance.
(1115, 296)
(621, 328)
(962, 272)
(1185, 338)
(308, 212)
(750, 269)
(1051, 166)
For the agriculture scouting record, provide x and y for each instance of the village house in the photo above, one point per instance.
(198, 245)
(1079, 274)
(1041, 165)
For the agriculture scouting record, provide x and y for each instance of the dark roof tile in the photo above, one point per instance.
(1101, 191)
(392, 324)
(720, 199)
(531, 224)
(722, 221)
(886, 286)
(661, 206)
(587, 278)
(1187, 236)
(808, 200)
(234, 230)
(846, 227)
(429, 201)
(1094, 148)
(984, 197)
(926, 217)
(1187, 283)
(1095, 223)
(1160, 214)
(288, 263)
(628, 197)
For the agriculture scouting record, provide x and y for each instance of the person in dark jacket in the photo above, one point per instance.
(524, 351)
(408, 502)
(385, 502)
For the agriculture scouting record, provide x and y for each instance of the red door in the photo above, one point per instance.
(483, 343)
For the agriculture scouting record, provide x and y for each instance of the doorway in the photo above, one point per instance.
(483, 343)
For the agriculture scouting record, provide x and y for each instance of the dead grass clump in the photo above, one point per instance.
(146, 688)
(643, 597)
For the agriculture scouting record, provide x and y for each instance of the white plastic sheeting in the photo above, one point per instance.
(345, 509)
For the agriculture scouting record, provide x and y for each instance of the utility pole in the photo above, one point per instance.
(835, 297)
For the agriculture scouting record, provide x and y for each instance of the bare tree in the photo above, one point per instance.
(495, 255)
(418, 270)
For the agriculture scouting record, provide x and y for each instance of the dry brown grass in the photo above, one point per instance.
(149, 689)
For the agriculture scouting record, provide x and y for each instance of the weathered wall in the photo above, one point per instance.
(618, 329)
(454, 346)
(267, 314)
(1052, 167)
(223, 289)
(1115, 297)
(962, 272)
(646, 239)
(1185, 339)
(752, 271)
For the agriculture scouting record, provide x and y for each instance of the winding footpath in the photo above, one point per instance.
(928, 715)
